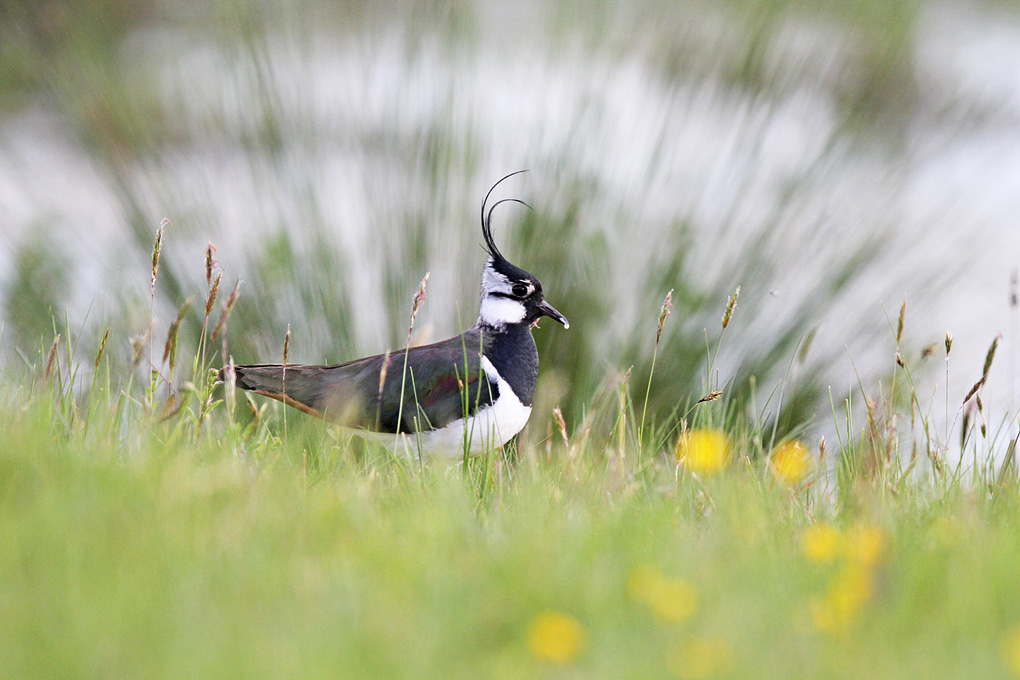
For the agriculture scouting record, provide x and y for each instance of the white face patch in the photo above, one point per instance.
(499, 311)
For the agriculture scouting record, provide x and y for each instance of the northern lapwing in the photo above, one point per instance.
(475, 389)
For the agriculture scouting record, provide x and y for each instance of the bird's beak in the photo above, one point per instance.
(551, 312)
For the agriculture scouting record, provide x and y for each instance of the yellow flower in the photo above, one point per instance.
(821, 543)
(836, 611)
(791, 462)
(865, 544)
(700, 658)
(672, 599)
(1010, 650)
(556, 637)
(703, 451)
(677, 600)
(644, 582)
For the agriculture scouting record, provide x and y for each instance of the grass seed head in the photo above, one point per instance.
(990, 356)
(252, 406)
(170, 348)
(711, 396)
(731, 305)
(416, 302)
(558, 414)
(949, 343)
(210, 300)
(973, 390)
(51, 359)
(138, 345)
(667, 306)
(382, 376)
(225, 310)
(899, 325)
(157, 248)
(102, 347)
(210, 262)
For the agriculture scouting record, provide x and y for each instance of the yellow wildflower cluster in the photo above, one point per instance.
(676, 601)
(821, 543)
(556, 637)
(672, 599)
(837, 609)
(857, 551)
(700, 658)
(791, 462)
(703, 451)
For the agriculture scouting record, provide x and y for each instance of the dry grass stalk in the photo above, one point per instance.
(286, 346)
(990, 356)
(667, 307)
(382, 375)
(621, 395)
(170, 349)
(157, 248)
(210, 299)
(225, 310)
(52, 358)
(102, 348)
(210, 263)
(558, 414)
(899, 325)
(382, 383)
(981, 412)
(230, 378)
(731, 305)
(283, 379)
(138, 345)
(252, 406)
(976, 387)
(1008, 468)
(419, 298)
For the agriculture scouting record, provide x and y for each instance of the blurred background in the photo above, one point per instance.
(827, 157)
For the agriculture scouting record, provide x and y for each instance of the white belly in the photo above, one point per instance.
(488, 428)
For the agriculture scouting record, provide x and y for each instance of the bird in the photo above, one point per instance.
(457, 397)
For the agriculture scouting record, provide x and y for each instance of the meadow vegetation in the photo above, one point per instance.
(670, 511)
(176, 528)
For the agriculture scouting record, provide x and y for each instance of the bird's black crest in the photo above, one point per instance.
(490, 244)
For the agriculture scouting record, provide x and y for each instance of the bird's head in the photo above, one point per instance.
(510, 295)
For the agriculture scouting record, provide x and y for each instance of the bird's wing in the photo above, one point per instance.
(443, 382)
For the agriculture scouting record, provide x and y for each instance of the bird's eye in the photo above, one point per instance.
(519, 290)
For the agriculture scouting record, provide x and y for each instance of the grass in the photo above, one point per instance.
(153, 524)
(151, 531)
(155, 555)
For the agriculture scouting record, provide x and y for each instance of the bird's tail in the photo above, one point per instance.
(294, 384)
